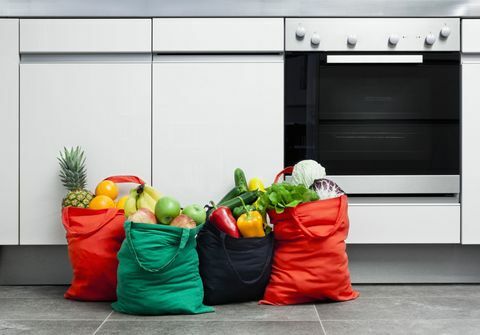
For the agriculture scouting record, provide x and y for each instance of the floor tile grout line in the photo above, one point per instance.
(319, 320)
(96, 330)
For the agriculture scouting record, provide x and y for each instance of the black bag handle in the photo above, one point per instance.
(229, 260)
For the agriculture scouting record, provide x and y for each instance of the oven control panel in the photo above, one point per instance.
(372, 34)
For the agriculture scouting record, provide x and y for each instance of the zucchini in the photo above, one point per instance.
(240, 179)
(234, 192)
(247, 197)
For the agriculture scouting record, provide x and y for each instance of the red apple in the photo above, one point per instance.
(143, 215)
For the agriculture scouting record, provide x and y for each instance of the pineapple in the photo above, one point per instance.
(73, 175)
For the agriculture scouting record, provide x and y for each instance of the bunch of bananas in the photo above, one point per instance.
(144, 196)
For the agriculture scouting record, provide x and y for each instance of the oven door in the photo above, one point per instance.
(379, 123)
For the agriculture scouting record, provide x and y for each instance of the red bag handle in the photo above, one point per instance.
(126, 179)
(287, 171)
(338, 222)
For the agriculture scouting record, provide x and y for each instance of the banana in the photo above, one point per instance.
(146, 201)
(152, 192)
(131, 203)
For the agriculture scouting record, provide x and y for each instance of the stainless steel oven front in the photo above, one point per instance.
(376, 101)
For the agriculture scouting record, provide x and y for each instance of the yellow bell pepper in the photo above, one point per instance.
(250, 224)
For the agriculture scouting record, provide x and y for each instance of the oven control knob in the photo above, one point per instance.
(315, 40)
(445, 32)
(394, 39)
(430, 39)
(352, 40)
(300, 32)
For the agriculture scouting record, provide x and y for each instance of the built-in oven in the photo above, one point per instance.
(376, 101)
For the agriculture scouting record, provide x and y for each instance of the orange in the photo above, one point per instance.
(121, 202)
(108, 188)
(101, 202)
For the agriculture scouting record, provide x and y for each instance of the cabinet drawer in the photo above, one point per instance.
(470, 31)
(85, 35)
(218, 35)
(399, 223)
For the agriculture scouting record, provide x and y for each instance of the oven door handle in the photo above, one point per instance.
(374, 59)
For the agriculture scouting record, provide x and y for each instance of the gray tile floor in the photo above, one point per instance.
(381, 309)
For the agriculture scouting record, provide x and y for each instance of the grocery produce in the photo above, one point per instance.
(250, 224)
(143, 196)
(306, 172)
(183, 221)
(101, 202)
(326, 189)
(196, 212)
(248, 197)
(143, 215)
(108, 188)
(240, 180)
(131, 203)
(166, 209)
(223, 219)
(147, 197)
(284, 195)
(256, 184)
(73, 175)
(121, 202)
(234, 192)
(237, 211)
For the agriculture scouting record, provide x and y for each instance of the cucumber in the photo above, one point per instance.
(234, 192)
(247, 197)
(240, 179)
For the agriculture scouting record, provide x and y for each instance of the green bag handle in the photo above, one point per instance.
(183, 242)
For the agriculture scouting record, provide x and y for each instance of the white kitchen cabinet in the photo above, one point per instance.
(212, 114)
(85, 36)
(9, 60)
(199, 35)
(470, 153)
(102, 106)
(417, 222)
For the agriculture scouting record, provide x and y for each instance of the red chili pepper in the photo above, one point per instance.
(223, 219)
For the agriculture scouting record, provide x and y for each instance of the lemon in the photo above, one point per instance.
(256, 184)
(120, 204)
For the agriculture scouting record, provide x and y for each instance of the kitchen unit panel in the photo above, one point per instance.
(404, 223)
(218, 35)
(103, 107)
(212, 114)
(470, 41)
(470, 152)
(9, 60)
(85, 35)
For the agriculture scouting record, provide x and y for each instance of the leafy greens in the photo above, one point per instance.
(284, 195)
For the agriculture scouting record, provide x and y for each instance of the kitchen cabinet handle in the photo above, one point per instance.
(360, 59)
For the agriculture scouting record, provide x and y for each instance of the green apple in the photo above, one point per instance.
(195, 212)
(167, 209)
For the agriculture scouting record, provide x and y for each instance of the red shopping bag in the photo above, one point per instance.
(310, 261)
(94, 238)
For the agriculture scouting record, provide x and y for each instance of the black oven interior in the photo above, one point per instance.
(374, 119)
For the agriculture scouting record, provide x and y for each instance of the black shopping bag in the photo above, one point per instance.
(233, 270)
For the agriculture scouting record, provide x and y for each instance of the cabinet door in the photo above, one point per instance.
(470, 153)
(103, 107)
(211, 115)
(9, 59)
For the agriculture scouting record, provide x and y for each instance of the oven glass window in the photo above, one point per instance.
(374, 119)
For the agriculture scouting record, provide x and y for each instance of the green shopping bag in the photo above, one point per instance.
(158, 271)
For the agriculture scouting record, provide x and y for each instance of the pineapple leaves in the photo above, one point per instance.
(73, 173)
